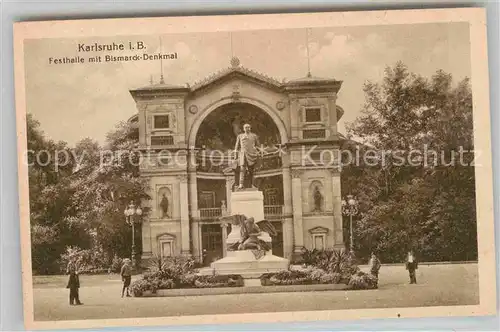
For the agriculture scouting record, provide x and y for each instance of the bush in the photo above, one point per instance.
(218, 281)
(287, 277)
(311, 257)
(187, 280)
(152, 282)
(311, 275)
(320, 276)
(315, 273)
(362, 280)
(337, 263)
(138, 287)
(330, 278)
(116, 264)
(84, 260)
(177, 272)
(171, 267)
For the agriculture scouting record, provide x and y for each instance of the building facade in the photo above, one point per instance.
(187, 133)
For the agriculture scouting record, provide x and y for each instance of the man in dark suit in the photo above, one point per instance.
(412, 266)
(73, 286)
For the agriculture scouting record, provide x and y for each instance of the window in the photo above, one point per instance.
(271, 196)
(318, 235)
(161, 121)
(166, 249)
(316, 156)
(319, 241)
(166, 245)
(313, 114)
(207, 199)
(162, 140)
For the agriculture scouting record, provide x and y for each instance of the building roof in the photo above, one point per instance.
(161, 86)
(235, 68)
(311, 79)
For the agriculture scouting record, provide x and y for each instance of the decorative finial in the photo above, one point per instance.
(235, 62)
(161, 64)
(308, 57)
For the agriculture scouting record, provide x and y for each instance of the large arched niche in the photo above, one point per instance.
(220, 120)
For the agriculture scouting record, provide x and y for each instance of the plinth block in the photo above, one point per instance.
(249, 203)
(244, 263)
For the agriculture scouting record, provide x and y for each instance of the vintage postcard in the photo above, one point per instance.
(255, 168)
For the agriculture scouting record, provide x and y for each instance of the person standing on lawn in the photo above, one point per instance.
(374, 265)
(126, 274)
(411, 266)
(73, 286)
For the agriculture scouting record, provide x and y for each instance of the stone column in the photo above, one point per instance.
(297, 210)
(184, 199)
(195, 214)
(337, 209)
(229, 184)
(224, 237)
(287, 212)
(193, 194)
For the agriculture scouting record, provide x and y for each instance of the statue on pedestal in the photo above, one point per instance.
(247, 151)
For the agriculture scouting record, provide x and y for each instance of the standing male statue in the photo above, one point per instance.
(164, 206)
(247, 151)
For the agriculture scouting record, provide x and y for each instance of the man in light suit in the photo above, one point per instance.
(247, 150)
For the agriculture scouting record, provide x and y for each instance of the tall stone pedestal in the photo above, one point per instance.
(250, 203)
(243, 262)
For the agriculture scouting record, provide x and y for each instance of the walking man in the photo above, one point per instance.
(73, 286)
(411, 266)
(126, 273)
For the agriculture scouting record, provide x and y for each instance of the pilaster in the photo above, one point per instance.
(337, 208)
(297, 210)
(224, 237)
(184, 197)
(288, 210)
(229, 186)
(332, 107)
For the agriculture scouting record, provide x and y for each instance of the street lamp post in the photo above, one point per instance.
(131, 212)
(350, 209)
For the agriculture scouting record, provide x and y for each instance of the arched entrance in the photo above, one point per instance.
(259, 105)
(215, 138)
(219, 129)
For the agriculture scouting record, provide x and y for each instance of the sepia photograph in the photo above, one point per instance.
(248, 168)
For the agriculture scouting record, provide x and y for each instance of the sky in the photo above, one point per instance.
(76, 101)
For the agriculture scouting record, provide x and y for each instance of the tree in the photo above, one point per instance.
(49, 196)
(78, 195)
(427, 205)
(107, 183)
